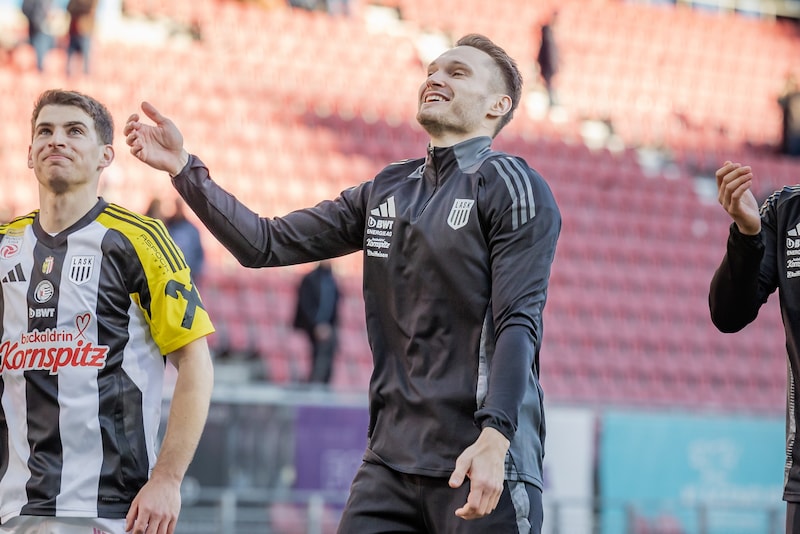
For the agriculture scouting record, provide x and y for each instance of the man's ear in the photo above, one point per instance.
(500, 106)
(106, 157)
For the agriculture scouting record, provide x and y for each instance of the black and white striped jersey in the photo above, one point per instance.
(86, 319)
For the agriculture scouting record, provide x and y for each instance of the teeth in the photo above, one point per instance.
(434, 98)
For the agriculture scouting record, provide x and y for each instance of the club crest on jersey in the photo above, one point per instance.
(12, 244)
(80, 269)
(459, 213)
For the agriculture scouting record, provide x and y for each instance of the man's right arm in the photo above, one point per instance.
(734, 297)
(329, 229)
(747, 274)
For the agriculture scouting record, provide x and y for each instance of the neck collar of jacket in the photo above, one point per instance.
(466, 154)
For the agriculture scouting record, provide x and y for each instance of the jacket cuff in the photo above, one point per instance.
(502, 425)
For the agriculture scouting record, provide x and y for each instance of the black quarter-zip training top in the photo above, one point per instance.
(457, 249)
(752, 269)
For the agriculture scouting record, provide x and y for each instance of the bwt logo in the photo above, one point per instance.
(792, 243)
(383, 224)
(48, 313)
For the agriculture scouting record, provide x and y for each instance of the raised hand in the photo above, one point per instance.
(734, 183)
(159, 145)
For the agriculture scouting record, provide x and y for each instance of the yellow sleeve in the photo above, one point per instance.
(168, 298)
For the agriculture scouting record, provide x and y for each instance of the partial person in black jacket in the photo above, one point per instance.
(763, 254)
(457, 249)
(317, 315)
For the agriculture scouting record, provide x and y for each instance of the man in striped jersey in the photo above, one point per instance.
(94, 297)
(457, 248)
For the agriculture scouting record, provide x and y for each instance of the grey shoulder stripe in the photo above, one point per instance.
(770, 200)
(518, 182)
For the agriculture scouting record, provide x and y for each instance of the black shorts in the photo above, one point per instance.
(384, 501)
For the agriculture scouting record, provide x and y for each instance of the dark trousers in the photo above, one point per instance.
(322, 352)
(42, 43)
(79, 44)
(384, 501)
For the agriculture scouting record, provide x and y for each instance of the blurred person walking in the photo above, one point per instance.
(187, 237)
(457, 250)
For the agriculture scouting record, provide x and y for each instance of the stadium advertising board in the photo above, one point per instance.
(690, 473)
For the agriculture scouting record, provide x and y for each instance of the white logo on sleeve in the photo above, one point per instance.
(385, 209)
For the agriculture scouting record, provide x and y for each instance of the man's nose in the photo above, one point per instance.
(434, 79)
(58, 137)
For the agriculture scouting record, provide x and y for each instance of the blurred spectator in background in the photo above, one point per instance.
(338, 7)
(310, 5)
(317, 316)
(187, 237)
(38, 14)
(196, 30)
(548, 58)
(82, 14)
(790, 105)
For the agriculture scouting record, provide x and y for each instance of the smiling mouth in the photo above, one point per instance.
(432, 98)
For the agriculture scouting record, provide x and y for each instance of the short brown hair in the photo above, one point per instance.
(103, 122)
(512, 78)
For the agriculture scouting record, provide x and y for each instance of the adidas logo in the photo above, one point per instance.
(14, 275)
(386, 209)
(794, 232)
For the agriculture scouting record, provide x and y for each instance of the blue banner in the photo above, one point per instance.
(690, 473)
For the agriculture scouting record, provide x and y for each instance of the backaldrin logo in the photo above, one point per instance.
(51, 350)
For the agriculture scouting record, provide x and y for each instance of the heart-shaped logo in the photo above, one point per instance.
(82, 322)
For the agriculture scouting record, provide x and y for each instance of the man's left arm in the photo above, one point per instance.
(522, 241)
(158, 503)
